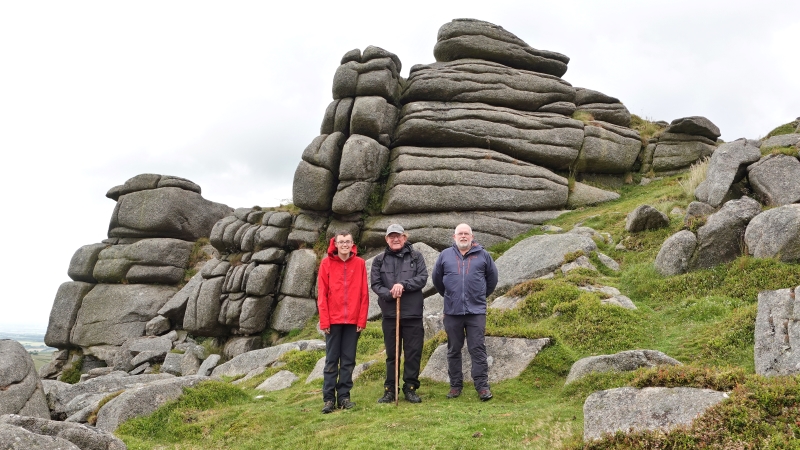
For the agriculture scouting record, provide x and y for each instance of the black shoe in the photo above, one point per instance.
(388, 396)
(454, 392)
(329, 407)
(345, 403)
(411, 396)
(485, 395)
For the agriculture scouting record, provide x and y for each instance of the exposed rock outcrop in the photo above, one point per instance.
(21, 390)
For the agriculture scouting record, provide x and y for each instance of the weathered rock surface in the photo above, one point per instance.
(507, 358)
(16, 438)
(277, 382)
(142, 400)
(721, 239)
(585, 195)
(82, 436)
(775, 233)
(468, 179)
(645, 217)
(675, 253)
(726, 167)
(64, 312)
(165, 212)
(21, 391)
(613, 113)
(478, 81)
(293, 313)
(111, 314)
(619, 362)
(608, 148)
(255, 362)
(777, 333)
(775, 179)
(782, 140)
(549, 140)
(82, 263)
(539, 255)
(158, 260)
(697, 211)
(470, 38)
(653, 408)
(694, 125)
(436, 229)
(363, 158)
(675, 151)
(375, 73)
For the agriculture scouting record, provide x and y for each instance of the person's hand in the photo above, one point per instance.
(397, 290)
(359, 329)
(326, 330)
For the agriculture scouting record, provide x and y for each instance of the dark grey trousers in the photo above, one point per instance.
(340, 360)
(473, 327)
(412, 337)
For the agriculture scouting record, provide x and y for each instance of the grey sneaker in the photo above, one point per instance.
(329, 407)
(345, 403)
(454, 392)
(388, 396)
(411, 396)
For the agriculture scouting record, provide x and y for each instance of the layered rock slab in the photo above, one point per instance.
(546, 139)
(539, 255)
(777, 333)
(470, 38)
(468, 179)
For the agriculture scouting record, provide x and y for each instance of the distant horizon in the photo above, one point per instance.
(27, 327)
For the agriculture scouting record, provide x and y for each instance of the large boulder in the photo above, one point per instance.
(470, 38)
(613, 113)
(507, 358)
(468, 179)
(473, 80)
(337, 116)
(674, 152)
(644, 218)
(694, 125)
(539, 255)
(721, 239)
(82, 436)
(64, 312)
(165, 212)
(17, 438)
(293, 313)
(775, 233)
(675, 253)
(21, 390)
(781, 140)
(653, 408)
(608, 148)
(546, 139)
(775, 179)
(726, 167)
(586, 195)
(777, 333)
(277, 382)
(143, 400)
(157, 261)
(626, 361)
(363, 159)
(375, 72)
(81, 266)
(111, 314)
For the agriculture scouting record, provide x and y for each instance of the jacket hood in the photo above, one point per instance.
(333, 251)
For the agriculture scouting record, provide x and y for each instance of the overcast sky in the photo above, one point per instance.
(228, 94)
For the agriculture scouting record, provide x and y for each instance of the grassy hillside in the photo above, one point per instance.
(704, 319)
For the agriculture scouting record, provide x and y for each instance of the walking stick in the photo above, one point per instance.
(397, 356)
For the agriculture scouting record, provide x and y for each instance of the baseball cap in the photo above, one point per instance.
(394, 228)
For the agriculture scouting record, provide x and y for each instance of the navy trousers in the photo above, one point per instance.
(473, 327)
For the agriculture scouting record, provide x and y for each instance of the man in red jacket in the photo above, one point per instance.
(343, 302)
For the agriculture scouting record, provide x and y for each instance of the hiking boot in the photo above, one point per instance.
(485, 395)
(329, 407)
(454, 392)
(411, 396)
(345, 403)
(388, 396)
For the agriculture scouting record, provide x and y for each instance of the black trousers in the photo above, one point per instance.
(412, 336)
(473, 327)
(340, 360)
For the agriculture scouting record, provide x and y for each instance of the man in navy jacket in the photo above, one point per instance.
(465, 274)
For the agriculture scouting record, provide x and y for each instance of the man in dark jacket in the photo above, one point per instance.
(399, 274)
(465, 274)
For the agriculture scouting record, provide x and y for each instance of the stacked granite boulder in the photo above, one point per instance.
(733, 223)
(682, 143)
(120, 284)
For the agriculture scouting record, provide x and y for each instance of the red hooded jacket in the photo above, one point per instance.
(342, 296)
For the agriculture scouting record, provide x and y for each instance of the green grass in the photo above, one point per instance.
(787, 128)
(705, 319)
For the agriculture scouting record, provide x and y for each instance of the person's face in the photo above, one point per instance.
(344, 244)
(463, 238)
(396, 241)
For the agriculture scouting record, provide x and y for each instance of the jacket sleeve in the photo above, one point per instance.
(438, 274)
(322, 295)
(417, 282)
(376, 283)
(491, 274)
(364, 300)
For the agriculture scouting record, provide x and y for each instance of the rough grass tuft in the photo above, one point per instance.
(697, 173)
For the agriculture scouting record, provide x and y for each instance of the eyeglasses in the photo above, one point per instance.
(463, 233)
(344, 242)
